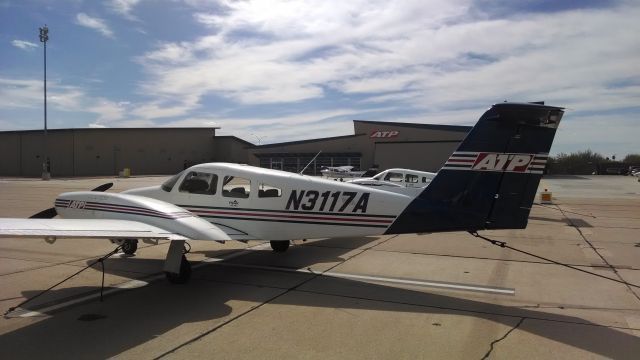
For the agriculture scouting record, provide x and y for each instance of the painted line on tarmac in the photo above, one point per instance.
(424, 283)
(129, 285)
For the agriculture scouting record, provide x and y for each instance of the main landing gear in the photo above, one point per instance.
(183, 275)
(279, 245)
(176, 267)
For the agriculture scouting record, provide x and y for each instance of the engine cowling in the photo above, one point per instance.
(93, 205)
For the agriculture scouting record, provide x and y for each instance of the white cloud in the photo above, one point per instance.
(158, 110)
(439, 60)
(94, 23)
(432, 50)
(28, 94)
(107, 110)
(24, 45)
(124, 8)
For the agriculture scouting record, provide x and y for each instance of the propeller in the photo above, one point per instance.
(103, 187)
(51, 212)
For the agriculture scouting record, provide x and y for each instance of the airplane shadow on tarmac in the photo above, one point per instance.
(131, 318)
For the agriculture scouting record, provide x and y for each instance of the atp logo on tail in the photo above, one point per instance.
(502, 162)
(486, 161)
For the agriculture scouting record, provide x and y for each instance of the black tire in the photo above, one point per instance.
(129, 246)
(184, 275)
(279, 245)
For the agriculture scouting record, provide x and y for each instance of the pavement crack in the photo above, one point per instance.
(494, 342)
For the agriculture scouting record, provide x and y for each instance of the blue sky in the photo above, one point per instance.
(292, 70)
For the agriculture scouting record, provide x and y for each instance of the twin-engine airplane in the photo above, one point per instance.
(489, 182)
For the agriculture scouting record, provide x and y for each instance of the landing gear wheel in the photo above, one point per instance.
(129, 246)
(279, 245)
(184, 275)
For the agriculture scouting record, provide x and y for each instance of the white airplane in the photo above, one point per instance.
(404, 181)
(488, 183)
(340, 172)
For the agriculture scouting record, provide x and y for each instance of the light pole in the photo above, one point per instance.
(44, 36)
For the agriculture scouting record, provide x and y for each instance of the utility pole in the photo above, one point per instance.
(46, 165)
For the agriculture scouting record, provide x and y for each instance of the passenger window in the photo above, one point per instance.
(236, 187)
(266, 191)
(394, 177)
(411, 178)
(199, 183)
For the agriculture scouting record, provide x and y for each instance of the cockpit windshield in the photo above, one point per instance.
(171, 182)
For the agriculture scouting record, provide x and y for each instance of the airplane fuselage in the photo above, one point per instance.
(277, 205)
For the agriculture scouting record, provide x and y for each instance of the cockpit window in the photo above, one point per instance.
(199, 183)
(171, 182)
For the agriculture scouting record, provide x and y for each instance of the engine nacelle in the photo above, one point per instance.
(172, 218)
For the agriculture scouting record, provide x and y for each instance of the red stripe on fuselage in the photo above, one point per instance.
(308, 217)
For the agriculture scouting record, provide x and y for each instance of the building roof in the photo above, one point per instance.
(460, 128)
(250, 144)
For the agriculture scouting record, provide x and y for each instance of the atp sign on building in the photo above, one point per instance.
(383, 134)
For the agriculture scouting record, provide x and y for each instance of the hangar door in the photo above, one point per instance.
(416, 155)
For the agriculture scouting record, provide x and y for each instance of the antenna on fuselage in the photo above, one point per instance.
(309, 163)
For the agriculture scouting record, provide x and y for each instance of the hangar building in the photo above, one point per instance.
(106, 151)
(385, 144)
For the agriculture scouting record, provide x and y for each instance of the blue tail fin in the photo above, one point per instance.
(491, 180)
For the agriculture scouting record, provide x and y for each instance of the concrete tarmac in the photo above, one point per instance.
(244, 301)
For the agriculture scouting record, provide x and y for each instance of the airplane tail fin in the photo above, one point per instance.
(491, 180)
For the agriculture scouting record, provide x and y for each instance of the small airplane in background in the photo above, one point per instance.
(489, 182)
(402, 181)
(340, 172)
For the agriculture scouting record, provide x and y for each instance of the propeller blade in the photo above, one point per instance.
(103, 187)
(50, 213)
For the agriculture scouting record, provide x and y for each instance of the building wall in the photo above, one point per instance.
(424, 156)
(96, 152)
(9, 149)
(148, 151)
(105, 152)
(232, 149)
(350, 143)
(296, 155)
(413, 146)
(411, 132)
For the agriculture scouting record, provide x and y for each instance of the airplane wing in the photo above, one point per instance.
(83, 228)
